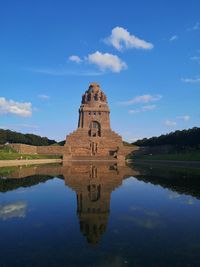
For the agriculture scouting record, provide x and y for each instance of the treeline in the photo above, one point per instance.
(184, 138)
(8, 136)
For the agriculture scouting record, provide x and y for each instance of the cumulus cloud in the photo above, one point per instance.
(141, 99)
(23, 109)
(45, 97)
(185, 117)
(13, 210)
(173, 38)
(75, 59)
(142, 109)
(107, 61)
(121, 39)
(190, 80)
(170, 123)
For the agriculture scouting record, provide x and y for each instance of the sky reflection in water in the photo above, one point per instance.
(99, 215)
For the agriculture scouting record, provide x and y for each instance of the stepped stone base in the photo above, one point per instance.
(80, 146)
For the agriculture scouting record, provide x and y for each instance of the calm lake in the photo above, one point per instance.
(99, 215)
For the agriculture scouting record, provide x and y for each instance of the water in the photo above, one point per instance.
(99, 215)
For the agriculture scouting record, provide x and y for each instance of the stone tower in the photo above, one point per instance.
(94, 139)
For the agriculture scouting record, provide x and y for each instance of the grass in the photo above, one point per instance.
(12, 156)
(184, 156)
(127, 143)
(7, 153)
(4, 171)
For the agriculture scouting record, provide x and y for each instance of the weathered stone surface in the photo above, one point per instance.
(42, 150)
(94, 138)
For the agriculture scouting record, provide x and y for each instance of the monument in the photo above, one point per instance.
(94, 138)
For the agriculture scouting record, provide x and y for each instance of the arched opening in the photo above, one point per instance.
(94, 192)
(95, 129)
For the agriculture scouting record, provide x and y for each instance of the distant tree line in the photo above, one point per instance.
(184, 138)
(12, 184)
(8, 136)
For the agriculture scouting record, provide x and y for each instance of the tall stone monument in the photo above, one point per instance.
(94, 138)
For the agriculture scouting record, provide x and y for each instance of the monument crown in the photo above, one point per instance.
(94, 95)
(94, 87)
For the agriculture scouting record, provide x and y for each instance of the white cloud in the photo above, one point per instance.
(141, 99)
(134, 111)
(190, 80)
(13, 210)
(107, 61)
(170, 123)
(173, 38)
(45, 97)
(149, 107)
(120, 38)
(75, 59)
(23, 109)
(196, 26)
(185, 117)
(195, 58)
(142, 109)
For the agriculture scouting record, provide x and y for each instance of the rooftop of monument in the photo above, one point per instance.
(93, 95)
(94, 88)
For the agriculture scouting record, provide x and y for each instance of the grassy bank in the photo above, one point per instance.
(7, 153)
(184, 156)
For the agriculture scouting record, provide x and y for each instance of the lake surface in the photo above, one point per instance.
(99, 215)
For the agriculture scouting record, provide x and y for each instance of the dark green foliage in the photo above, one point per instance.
(181, 139)
(127, 143)
(29, 139)
(12, 184)
(61, 143)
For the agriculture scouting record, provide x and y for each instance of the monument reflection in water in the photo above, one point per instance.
(92, 182)
(93, 185)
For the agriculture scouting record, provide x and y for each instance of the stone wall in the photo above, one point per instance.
(42, 150)
(50, 150)
(24, 149)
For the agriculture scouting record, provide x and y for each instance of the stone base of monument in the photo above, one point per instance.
(93, 158)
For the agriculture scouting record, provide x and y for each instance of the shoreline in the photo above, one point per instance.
(182, 163)
(4, 163)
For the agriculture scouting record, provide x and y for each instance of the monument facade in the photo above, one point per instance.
(94, 139)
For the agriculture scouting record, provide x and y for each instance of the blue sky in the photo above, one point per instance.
(144, 54)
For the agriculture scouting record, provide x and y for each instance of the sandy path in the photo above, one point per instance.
(15, 162)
